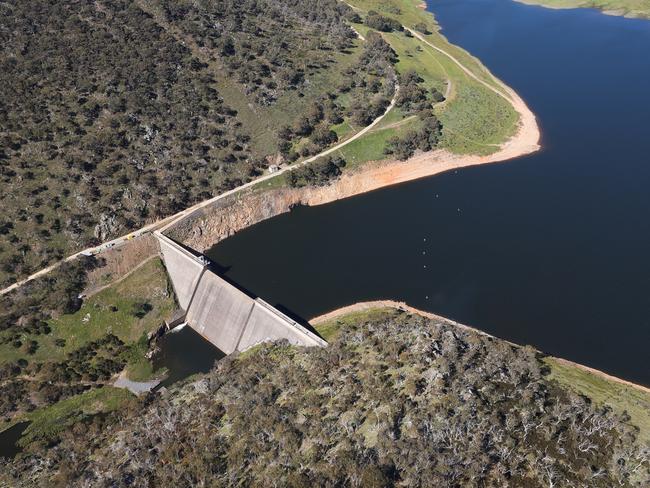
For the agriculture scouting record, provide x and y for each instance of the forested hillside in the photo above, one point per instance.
(117, 113)
(395, 400)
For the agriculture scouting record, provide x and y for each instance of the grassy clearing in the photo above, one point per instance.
(410, 13)
(47, 423)
(620, 397)
(113, 310)
(626, 8)
(371, 146)
(129, 309)
(475, 119)
(263, 122)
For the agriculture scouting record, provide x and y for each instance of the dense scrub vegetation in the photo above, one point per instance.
(413, 98)
(376, 21)
(269, 46)
(320, 173)
(395, 400)
(112, 113)
(25, 309)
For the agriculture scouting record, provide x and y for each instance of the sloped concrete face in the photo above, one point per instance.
(219, 312)
(183, 268)
(267, 324)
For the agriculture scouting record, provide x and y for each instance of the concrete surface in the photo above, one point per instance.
(219, 311)
(184, 269)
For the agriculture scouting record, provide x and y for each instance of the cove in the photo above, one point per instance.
(551, 250)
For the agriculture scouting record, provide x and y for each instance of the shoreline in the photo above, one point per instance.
(379, 304)
(368, 177)
(204, 227)
(603, 9)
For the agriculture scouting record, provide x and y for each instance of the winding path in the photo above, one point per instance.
(165, 223)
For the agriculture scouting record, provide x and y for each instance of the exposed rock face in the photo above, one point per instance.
(106, 227)
(214, 224)
(206, 227)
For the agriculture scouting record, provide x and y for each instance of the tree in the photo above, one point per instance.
(422, 27)
(385, 24)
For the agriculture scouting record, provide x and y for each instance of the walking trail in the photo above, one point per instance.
(384, 173)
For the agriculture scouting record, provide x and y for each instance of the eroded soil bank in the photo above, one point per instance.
(210, 225)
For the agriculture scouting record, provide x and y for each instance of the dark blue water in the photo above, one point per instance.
(184, 353)
(551, 250)
(9, 438)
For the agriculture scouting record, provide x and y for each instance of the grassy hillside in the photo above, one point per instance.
(626, 8)
(395, 400)
(622, 398)
(65, 358)
(113, 114)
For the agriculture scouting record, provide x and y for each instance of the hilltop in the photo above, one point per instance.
(395, 400)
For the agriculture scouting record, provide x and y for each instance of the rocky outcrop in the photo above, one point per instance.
(106, 227)
(205, 227)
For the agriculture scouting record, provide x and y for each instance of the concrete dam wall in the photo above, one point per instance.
(223, 314)
(184, 269)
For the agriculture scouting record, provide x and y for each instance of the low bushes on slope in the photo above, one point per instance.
(395, 400)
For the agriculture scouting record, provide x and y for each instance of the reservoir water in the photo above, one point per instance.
(551, 250)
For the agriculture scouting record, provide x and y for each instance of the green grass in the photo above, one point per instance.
(109, 311)
(371, 146)
(475, 119)
(625, 8)
(97, 317)
(330, 329)
(344, 130)
(139, 368)
(48, 422)
(620, 397)
(263, 122)
(409, 13)
(395, 116)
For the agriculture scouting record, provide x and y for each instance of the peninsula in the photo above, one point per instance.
(635, 9)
